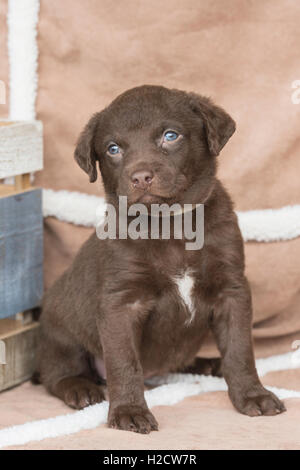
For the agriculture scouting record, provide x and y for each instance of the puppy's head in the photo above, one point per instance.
(155, 145)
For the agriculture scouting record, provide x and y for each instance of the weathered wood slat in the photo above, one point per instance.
(21, 252)
(22, 182)
(12, 189)
(20, 347)
(21, 147)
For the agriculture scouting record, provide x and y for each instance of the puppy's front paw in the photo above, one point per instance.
(132, 418)
(259, 402)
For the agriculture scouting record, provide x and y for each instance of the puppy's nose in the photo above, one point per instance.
(142, 179)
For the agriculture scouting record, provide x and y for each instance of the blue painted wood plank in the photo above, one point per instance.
(21, 252)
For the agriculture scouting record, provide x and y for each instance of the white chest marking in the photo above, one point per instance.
(185, 284)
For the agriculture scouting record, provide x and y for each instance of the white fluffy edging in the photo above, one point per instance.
(270, 225)
(22, 20)
(267, 225)
(73, 207)
(174, 388)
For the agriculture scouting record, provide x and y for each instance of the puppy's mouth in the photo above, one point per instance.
(150, 198)
(147, 198)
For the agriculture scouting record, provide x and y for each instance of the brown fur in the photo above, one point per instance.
(118, 300)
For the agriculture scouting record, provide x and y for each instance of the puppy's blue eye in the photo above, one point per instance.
(113, 149)
(170, 136)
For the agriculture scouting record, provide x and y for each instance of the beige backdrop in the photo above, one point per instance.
(244, 54)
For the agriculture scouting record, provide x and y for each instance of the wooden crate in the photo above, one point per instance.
(20, 342)
(21, 248)
(21, 147)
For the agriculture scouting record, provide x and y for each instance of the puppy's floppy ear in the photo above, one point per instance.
(85, 153)
(219, 126)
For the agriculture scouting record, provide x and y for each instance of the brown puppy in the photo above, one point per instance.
(127, 309)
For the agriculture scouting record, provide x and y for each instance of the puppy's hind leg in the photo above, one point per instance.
(204, 366)
(79, 392)
(64, 370)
